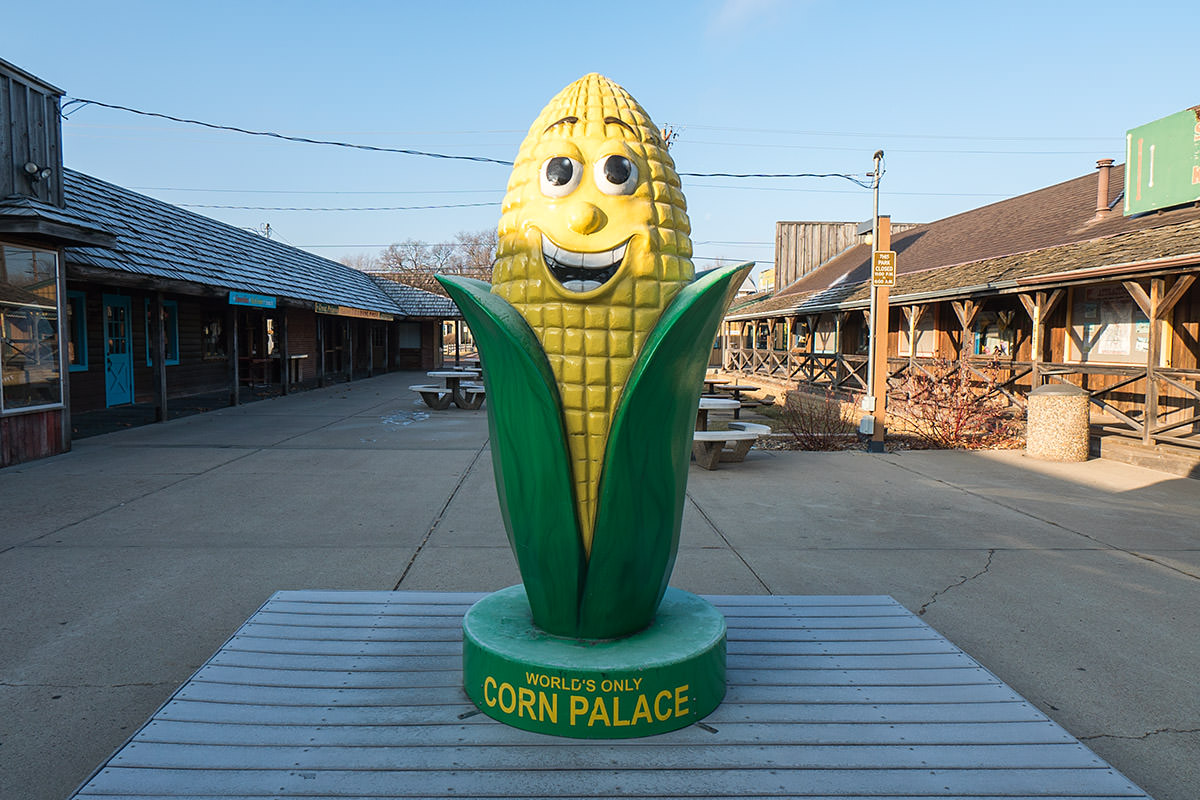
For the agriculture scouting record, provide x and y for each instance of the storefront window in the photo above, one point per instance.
(1107, 326)
(77, 356)
(29, 360)
(409, 335)
(826, 335)
(170, 332)
(994, 334)
(925, 334)
(212, 338)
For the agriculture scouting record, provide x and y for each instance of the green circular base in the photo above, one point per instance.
(665, 677)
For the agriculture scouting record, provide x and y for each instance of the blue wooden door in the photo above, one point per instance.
(118, 350)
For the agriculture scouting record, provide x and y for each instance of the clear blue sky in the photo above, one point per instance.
(972, 102)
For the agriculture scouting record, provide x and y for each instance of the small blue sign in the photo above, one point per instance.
(251, 299)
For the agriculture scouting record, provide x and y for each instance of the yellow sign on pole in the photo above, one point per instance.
(883, 268)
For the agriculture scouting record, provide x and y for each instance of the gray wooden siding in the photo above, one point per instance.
(358, 694)
(801, 247)
(29, 131)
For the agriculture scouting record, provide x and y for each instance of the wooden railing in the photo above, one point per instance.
(1127, 396)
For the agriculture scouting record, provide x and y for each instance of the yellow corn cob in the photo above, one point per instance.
(592, 332)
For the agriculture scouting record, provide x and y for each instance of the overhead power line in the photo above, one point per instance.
(343, 208)
(77, 103)
(82, 102)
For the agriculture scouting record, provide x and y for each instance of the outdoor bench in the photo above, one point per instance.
(471, 395)
(709, 446)
(436, 397)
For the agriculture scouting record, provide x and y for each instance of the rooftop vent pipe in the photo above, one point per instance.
(1102, 207)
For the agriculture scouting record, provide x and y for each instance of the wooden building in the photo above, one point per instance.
(110, 298)
(35, 226)
(1053, 286)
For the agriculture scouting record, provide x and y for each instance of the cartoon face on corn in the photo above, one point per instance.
(593, 245)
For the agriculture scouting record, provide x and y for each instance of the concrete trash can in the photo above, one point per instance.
(1057, 423)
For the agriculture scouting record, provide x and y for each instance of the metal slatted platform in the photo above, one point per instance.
(358, 695)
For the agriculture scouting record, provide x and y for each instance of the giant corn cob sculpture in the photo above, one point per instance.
(594, 339)
(592, 173)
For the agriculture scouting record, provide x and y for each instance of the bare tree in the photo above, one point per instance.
(415, 263)
(364, 262)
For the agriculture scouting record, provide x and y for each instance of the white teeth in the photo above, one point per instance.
(597, 260)
(582, 286)
(570, 258)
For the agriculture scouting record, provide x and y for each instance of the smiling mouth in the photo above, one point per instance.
(581, 272)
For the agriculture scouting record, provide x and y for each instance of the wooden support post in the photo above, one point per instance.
(1156, 305)
(348, 350)
(285, 353)
(321, 351)
(813, 320)
(966, 311)
(879, 342)
(838, 318)
(159, 348)
(1039, 306)
(371, 348)
(913, 315)
(235, 380)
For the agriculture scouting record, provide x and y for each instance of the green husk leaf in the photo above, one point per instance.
(529, 454)
(644, 477)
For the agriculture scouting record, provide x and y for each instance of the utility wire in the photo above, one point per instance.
(853, 179)
(82, 102)
(364, 208)
(76, 103)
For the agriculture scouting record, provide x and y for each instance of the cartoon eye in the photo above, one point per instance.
(559, 176)
(616, 175)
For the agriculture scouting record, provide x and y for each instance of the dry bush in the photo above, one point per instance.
(817, 423)
(948, 407)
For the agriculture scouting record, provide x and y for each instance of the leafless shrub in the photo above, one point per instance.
(945, 405)
(817, 422)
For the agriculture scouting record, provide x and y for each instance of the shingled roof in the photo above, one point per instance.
(985, 250)
(161, 240)
(418, 302)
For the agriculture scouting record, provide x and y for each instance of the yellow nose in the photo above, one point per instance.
(585, 218)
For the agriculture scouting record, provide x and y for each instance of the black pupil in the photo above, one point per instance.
(559, 171)
(617, 169)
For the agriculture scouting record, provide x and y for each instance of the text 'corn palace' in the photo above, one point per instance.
(593, 245)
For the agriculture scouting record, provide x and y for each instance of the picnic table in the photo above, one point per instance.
(712, 447)
(736, 390)
(711, 383)
(458, 387)
(713, 404)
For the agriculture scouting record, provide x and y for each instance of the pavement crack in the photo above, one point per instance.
(1139, 737)
(438, 519)
(964, 579)
(725, 539)
(1050, 522)
(146, 684)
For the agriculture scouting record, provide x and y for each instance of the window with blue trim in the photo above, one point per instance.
(77, 354)
(170, 331)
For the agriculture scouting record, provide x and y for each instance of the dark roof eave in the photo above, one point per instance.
(60, 234)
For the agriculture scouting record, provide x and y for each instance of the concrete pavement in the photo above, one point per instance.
(125, 564)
